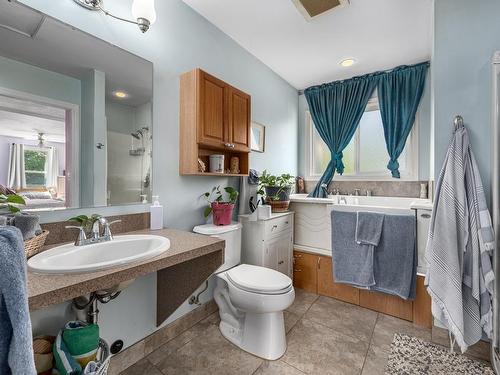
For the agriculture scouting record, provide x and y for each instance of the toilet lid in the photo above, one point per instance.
(259, 279)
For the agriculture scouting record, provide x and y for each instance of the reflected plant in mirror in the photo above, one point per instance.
(75, 116)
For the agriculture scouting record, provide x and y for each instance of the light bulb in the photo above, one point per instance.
(144, 9)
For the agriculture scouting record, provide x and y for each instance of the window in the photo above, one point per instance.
(366, 155)
(35, 167)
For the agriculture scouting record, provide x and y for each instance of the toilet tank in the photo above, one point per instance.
(229, 233)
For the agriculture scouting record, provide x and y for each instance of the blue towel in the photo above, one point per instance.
(369, 227)
(352, 262)
(395, 261)
(16, 341)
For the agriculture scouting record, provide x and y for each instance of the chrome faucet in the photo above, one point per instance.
(82, 239)
(357, 192)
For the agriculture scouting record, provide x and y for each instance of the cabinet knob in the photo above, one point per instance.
(274, 227)
(281, 262)
(425, 216)
(297, 270)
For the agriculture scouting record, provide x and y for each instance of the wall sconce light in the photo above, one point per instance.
(142, 10)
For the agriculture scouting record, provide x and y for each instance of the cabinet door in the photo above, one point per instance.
(239, 120)
(305, 271)
(328, 287)
(284, 253)
(212, 111)
(386, 304)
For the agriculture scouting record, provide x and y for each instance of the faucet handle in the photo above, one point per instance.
(107, 230)
(81, 235)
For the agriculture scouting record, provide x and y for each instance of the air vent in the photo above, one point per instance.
(313, 8)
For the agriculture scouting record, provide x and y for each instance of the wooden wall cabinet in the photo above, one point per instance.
(314, 273)
(214, 119)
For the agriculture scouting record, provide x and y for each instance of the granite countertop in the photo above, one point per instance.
(49, 289)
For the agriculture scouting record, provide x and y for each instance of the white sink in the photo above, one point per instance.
(119, 251)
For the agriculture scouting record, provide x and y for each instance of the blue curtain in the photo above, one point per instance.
(336, 109)
(399, 93)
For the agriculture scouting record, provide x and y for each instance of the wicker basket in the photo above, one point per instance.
(35, 244)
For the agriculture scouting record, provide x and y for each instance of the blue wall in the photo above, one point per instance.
(179, 41)
(466, 33)
(18, 76)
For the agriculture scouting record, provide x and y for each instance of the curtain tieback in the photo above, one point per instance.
(393, 166)
(339, 164)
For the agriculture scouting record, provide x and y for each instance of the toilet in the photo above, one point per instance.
(251, 299)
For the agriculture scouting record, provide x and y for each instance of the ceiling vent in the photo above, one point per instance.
(311, 9)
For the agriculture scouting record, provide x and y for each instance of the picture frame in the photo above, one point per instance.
(258, 137)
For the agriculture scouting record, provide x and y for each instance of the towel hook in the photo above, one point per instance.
(458, 122)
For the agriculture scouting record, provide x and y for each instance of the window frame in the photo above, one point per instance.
(410, 172)
(44, 150)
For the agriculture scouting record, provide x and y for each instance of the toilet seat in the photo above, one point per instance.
(260, 280)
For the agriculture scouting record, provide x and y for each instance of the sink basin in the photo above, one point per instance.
(77, 259)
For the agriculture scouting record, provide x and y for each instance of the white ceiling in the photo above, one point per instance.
(379, 34)
(61, 48)
(25, 119)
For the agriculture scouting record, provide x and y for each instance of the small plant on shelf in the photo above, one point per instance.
(11, 202)
(221, 204)
(276, 189)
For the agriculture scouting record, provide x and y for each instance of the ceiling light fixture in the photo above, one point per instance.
(41, 140)
(142, 10)
(347, 62)
(120, 94)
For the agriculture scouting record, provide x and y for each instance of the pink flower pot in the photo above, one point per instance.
(223, 213)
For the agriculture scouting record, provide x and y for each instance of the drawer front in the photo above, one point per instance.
(279, 224)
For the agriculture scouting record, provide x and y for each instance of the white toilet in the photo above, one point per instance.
(251, 299)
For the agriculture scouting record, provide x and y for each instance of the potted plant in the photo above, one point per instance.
(276, 189)
(221, 208)
(10, 202)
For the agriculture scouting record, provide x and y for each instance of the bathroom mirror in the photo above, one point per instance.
(75, 115)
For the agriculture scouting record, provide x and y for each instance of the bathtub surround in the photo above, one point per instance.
(407, 189)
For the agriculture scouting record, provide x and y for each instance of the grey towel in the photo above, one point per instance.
(16, 342)
(369, 227)
(460, 278)
(28, 224)
(353, 262)
(395, 260)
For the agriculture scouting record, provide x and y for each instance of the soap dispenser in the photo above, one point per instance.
(156, 214)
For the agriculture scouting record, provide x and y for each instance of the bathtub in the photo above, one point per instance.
(313, 223)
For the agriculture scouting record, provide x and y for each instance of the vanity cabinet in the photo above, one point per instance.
(314, 273)
(268, 243)
(214, 119)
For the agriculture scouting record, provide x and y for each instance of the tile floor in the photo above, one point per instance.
(325, 336)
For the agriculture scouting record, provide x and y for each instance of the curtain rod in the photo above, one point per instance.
(379, 72)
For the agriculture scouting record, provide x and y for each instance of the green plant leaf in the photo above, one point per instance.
(16, 199)
(13, 209)
(207, 211)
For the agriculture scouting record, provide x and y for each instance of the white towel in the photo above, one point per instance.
(460, 278)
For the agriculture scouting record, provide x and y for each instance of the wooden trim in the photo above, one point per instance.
(422, 314)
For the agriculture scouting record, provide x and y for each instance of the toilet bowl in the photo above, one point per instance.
(251, 299)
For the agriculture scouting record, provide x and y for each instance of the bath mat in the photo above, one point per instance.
(412, 356)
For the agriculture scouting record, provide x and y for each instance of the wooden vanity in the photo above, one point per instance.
(181, 269)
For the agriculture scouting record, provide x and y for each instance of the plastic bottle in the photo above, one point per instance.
(156, 214)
